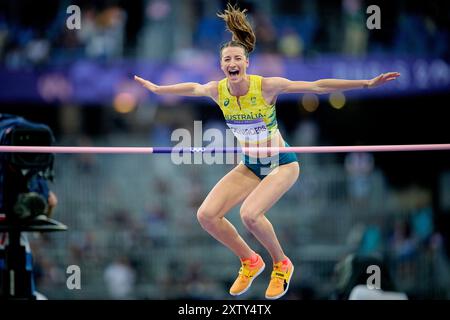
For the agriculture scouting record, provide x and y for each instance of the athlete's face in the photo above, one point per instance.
(234, 63)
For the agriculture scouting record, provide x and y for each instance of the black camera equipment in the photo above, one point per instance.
(24, 195)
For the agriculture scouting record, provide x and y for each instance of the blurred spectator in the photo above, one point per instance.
(197, 284)
(157, 225)
(355, 32)
(169, 282)
(49, 274)
(402, 242)
(120, 278)
(103, 33)
(359, 167)
(371, 242)
(82, 246)
(422, 223)
(412, 35)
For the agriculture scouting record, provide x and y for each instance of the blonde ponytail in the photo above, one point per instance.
(240, 28)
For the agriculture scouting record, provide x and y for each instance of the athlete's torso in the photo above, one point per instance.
(251, 119)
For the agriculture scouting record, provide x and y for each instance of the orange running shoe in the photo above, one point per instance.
(280, 278)
(248, 272)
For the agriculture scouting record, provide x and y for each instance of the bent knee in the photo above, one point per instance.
(207, 217)
(249, 216)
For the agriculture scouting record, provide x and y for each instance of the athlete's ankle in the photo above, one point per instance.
(285, 259)
(253, 257)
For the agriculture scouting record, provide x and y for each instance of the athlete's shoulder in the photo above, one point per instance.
(255, 80)
(221, 90)
(212, 89)
(222, 83)
(272, 83)
(212, 84)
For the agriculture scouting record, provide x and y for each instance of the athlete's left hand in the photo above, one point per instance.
(383, 78)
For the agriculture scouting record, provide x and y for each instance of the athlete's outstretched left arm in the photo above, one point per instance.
(277, 85)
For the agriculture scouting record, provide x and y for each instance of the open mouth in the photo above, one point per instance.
(234, 73)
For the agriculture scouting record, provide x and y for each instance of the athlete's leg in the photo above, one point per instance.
(232, 189)
(261, 199)
(253, 210)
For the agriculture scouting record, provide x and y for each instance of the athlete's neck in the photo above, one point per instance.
(239, 88)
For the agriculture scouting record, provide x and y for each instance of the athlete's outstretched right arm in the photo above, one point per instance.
(189, 89)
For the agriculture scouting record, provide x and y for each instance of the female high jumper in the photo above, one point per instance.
(258, 182)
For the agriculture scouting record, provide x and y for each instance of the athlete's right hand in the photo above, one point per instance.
(146, 84)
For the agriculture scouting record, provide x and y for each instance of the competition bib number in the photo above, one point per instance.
(249, 130)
